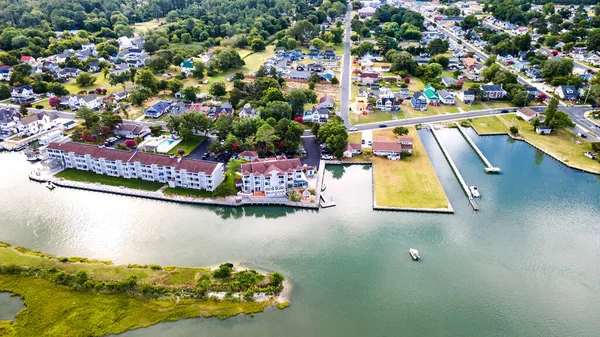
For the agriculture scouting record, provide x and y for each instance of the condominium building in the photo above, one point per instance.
(177, 172)
(274, 177)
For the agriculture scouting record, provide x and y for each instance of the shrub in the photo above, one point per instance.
(181, 152)
(63, 259)
(276, 279)
(223, 271)
(155, 267)
(514, 130)
(38, 106)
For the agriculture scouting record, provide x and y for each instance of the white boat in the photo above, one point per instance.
(50, 185)
(414, 254)
(474, 191)
(33, 158)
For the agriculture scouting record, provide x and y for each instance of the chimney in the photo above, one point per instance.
(179, 159)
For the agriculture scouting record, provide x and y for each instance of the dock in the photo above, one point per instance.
(462, 182)
(324, 203)
(489, 168)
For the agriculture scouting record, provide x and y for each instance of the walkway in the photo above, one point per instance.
(489, 167)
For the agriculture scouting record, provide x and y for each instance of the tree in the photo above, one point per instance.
(292, 139)
(199, 69)
(437, 46)
(120, 78)
(556, 68)
(469, 22)
(223, 126)
(89, 116)
(266, 137)
(314, 77)
(520, 98)
(54, 102)
(234, 166)
(157, 63)
(85, 79)
(130, 143)
(514, 130)
(303, 31)
(276, 279)
(217, 89)
(593, 39)
(258, 44)
(175, 85)
(137, 96)
(334, 134)
(147, 79)
(523, 42)
(189, 93)
(110, 120)
(173, 124)
(334, 81)
(535, 123)
(276, 110)
(400, 131)
(299, 97)
(318, 43)
(156, 130)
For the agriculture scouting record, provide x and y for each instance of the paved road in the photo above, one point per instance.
(313, 151)
(346, 73)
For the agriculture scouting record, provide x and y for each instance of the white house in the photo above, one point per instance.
(9, 120)
(90, 101)
(446, 97)
(177, 172)
(22, 94)
(466, 96)
(125, 42)
(248, 111)
(249, 155)
(352, 149)
(131, 130)
(527, 114)
(316, 115)
(50, 137)
(275, 177)
(35, 123)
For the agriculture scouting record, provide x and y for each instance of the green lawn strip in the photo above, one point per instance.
(472, 107)
(488, 125)
(55, 310)
(188, 192)
(226, 188)
(560, 143)
(373, 117)
(188, 145)
(91, 177)
(410, 182)
(101, 82)
(497, 104)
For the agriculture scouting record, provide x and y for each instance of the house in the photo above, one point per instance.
(66, 73)
(446, 97)
(591, 58)
(418, 101)
(352, 149)
(157, 109)
(62, 57)
(329, 54)
(249, 155)
(119, 95)
(315, 67)
(93, 67)
(431, 95)
(275, 177)
(91, 101)
(125, 43)
(316, 115)
(299, 75)
(226, 108)
(469, 63)
(449, 82)
(387, 101)
(187, 66)
(69, 101)
(393, 149)
(543, 130)
(177, 172)
(178, 108)
(527, 114)
(50, 137)
(119, 69)
(326, 102)
(534, 74)
(466, 96)
(9, 120)
(247, 111)
(22, 94)
(366, 12)
(131, 130)
(567, 92)
(28, 59)
(35, 123)
(5, 71)
(493, 91)
(138, 61)
(83, 54)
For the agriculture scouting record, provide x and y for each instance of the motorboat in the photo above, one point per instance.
(474, 191)
(50, 185)
(33, 158)
(414, 254)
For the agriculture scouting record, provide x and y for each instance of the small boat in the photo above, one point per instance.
(33, 158)
(414, 254)
(21, 147)
(474, 191)
(50, 185)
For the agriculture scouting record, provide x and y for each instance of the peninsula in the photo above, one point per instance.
(102, 298)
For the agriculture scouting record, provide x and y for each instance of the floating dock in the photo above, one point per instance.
(489, 168)
(462, 182)
(324, 203)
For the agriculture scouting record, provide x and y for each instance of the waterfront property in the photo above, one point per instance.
(393, 149)
(527, 114)
(176, 171)
(275, 177)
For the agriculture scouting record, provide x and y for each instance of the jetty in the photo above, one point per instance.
(489, 168)
(462, 182)
(324, 203)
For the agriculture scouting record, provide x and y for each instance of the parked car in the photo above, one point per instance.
(363, 141)
(383, 125)
(504, 111)
(353, 129)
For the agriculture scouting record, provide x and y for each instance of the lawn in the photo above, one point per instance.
(188, 145)
(148, 25)
(471, 107)
(410, 182)
(188, 192)
(488, 125)
(416, 84)
(498, 104)
(560, 143)
(101, 82)
(226, 188)
(91, 177)
(374, 117)
(355, 137)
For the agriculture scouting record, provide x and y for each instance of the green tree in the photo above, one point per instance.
(400, 131)
(217, 89)
(438, 46)
(234, 166)
(175, 85)
(85, 79)
(334, 134)
(258, 44)
(4, 91)
(199, 69)
(276, 110)
(89, 116)
(299, 97)
(223, 126)
(147, 79)
(514, 130)
(266, 137)
(276, 279)
(156, 130)
(318, 43)
(189, 93)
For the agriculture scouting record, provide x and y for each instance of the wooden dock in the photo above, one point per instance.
(489, 168)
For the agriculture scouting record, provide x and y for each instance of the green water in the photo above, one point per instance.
(526, 265)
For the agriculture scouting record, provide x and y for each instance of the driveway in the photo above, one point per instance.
(367, 136)
(199, 151)
(313, 151)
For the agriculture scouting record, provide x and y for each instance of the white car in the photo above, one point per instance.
(353, 129)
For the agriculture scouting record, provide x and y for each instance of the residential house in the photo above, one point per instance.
(466, 96)
(532, 91)
(352, 149)
(84, 54)
(178, 108)
(225, 108)
(543, 130)
(9, 120)
(62, 57)
(177, 172)
(119, 69)
(591, 58)
(329, 54)
(249, 155)
(366, 12)
(22, 94)
(131, 130)
(431, 95)
(391, 149)
(91, 101)
(50, 137)
(419, 101)
(567, 92)
(316, 115)
(275, 177)
(449, 82)
(93, 67)
(534, 74)
(125, 43)
(446, 97)
(493, 91)
(315, 67)
(69, 101)
(387, 101)
(248, 111)
(35, 123)
(137, 61)
(187, 66)
(299, 75)
(28, 59)
(5, 71)
(326, 101)
(157, 109)
(52, 67)
(527, 114)
(469, 63)
(67, 73)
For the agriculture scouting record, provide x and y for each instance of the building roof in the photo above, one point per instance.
(444, 94)
(248, 154)
(492, 87)
(327, 99)
(8, 115)
(529, 112)
(448, 80)
(352, 146)
(190, 165)
(379, 145)
(37, 117)
(262, 167)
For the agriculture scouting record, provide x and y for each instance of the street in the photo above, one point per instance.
(346, 73)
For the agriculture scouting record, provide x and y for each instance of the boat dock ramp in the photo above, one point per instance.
(489, 168)
(324, 203)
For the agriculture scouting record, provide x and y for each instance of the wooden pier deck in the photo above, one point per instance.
(489, 168)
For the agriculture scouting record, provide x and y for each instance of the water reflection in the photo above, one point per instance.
(539, 157)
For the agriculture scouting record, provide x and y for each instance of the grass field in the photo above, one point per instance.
(58, 310)
(410, 182)
(488, 125)
(188, 145)
(560, 143)
(472, 107)
(374, 117)
(91, 177)
(497, 104)
(101, 82)
(227, 187)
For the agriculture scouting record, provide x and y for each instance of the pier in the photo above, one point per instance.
(324, 203)
(489, 168)
(462, 182)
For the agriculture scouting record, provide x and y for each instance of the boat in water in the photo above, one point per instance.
(414, 254)
(474, 191)
(50, 185)
(33, 158)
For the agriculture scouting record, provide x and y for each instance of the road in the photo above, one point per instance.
(346, 73)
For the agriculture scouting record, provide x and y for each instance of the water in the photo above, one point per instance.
(10, 306)
(527, 264)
